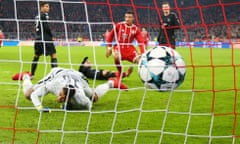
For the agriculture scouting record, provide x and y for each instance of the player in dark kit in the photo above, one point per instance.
(100, 74)
(169, 24)
(43, 43)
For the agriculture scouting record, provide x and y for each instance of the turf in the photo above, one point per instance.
(205, 108)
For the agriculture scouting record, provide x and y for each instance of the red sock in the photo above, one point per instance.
(118, 74)
(118, 65)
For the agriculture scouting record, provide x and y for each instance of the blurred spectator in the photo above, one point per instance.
(146, 37)
(1, 37)
(197, 21)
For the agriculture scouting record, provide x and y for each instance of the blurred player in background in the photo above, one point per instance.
(68, 85)
(1, 37)
(105, 35)
(125, 33)
(169, 24)
(44, 40)
(146, 36)
(100, 74)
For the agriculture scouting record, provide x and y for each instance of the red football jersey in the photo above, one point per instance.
(145, 35)
(1, 35)
(125, 35)
(106, 35)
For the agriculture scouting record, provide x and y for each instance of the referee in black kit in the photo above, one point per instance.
(44, 42)
(169, 23)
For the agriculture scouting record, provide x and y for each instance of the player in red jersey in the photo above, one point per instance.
(146, 36)
(125, 33)
(1, 37)
(105, 35)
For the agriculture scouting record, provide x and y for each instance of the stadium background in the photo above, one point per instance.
(205, 109)
(211, 25)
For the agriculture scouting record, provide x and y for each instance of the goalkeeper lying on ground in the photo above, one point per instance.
(68, 85)
(101, 74)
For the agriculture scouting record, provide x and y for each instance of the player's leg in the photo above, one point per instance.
(38, 50)
(101, 74)
(132, 55)
(82, 99)
(85, 64)
(105, 74)
(117, 59)
(51, 50)
(86, 69)
(54, 60)
(27, 86)
(124, 74)
(34, 65)
(102, 89)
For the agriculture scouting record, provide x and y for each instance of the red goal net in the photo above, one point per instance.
(205, 109)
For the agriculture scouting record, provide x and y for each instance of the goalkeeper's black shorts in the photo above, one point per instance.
(44, 48)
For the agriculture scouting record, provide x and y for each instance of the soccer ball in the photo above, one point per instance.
(162, 68)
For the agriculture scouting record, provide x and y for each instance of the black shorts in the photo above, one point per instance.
(46, 48)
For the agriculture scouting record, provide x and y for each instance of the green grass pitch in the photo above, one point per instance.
(204, 108)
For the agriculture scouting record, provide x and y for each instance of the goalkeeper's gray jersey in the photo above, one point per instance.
(56, 80)
(59, 78)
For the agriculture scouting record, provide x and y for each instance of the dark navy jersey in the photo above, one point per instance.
(42, 28)
(171, 22)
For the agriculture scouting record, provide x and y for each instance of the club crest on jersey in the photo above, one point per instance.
(124, 36)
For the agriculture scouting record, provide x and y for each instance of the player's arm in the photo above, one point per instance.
(39, 92)
(109, 39)
(176, 21)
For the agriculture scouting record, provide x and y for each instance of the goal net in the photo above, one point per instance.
(204, 109)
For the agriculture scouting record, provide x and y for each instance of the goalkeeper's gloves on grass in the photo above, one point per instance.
(40, 108)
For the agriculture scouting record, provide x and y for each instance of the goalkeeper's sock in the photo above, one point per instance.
(27, 84)
(54, 62)
(34, 65)
(103, 88)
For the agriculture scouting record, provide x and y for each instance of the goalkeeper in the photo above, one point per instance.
(101, 74)
(68, 85)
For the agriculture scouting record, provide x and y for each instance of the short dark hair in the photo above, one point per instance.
(129, 12)
(69, 91)
(43, 3)
(166, 3)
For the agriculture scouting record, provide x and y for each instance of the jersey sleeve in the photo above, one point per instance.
(140, 41)
(39, 92)
(111, 35)
(176, 21)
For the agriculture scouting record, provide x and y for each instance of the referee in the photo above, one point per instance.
(43, 42)
(169, 23)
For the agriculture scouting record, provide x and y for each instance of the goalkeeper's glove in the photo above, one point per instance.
(40, 108)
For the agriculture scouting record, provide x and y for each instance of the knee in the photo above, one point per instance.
(104, 72)
(116, 56)
(137, 59)
(28, 97)
(54, 55)
(28, 94)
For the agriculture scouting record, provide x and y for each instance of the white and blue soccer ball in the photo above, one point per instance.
(162, 68)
